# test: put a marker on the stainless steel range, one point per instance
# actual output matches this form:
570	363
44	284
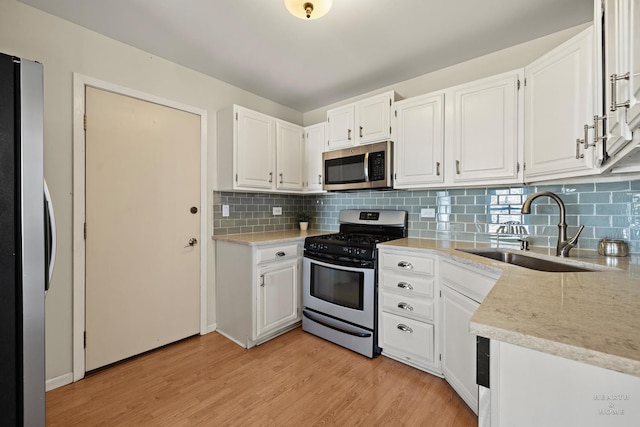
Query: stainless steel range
340	282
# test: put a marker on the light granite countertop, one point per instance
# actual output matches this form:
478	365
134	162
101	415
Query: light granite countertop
269	237
591	317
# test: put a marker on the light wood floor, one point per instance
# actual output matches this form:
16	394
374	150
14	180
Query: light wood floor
296	379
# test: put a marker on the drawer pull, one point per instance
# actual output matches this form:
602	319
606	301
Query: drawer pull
405	264
280	253
405	306
405	328
405	285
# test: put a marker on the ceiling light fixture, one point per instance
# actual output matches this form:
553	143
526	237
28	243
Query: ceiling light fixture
308	9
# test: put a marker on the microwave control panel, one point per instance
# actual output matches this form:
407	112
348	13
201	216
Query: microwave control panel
377	166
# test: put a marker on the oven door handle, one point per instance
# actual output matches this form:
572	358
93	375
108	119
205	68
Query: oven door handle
334	262
345	331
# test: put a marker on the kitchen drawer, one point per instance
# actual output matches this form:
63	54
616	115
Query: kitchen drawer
422	308
469	282
276	253
411	262
406	283
407	338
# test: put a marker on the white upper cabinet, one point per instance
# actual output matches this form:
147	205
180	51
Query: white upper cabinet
484	128
255	149
315	143
419	141
363	122
340	124
290	159
621	70
257	152
559	93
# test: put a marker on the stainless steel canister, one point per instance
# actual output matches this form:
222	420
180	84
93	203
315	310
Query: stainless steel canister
612	247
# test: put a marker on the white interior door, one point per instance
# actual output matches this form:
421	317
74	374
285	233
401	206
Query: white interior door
142	210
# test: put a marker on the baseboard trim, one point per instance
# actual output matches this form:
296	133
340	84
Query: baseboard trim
56	382
212	327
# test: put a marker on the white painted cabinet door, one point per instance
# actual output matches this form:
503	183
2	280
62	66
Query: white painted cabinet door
419	141
277	297
373	118
558	103
485	130
459	345
315	144
255	150
622	94
289	156
340	124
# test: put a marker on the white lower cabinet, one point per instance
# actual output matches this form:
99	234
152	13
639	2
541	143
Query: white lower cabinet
258	290
462	290
408	312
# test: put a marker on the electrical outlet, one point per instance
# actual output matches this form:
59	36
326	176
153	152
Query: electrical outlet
277	210
225	210
427	213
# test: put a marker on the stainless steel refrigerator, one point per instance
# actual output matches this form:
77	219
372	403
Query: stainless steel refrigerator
25	243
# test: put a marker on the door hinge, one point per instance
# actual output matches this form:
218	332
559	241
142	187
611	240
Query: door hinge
389	130
395	113
85	122
524	166
440	294
236	177
518	167
518	84
84	230
389	102
84	339
525	81
328	119
440	357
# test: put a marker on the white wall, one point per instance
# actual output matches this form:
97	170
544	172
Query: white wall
503	60
64	48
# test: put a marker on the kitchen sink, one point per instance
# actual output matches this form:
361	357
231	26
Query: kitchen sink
526	261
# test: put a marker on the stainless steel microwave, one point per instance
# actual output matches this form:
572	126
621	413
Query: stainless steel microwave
359	168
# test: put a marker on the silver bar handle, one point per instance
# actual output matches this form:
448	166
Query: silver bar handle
405	285
578	155
405	264
366	167
270	176
280	254
404	328
457	167
405	306
349	134
437	168
281	178
360	131
319	179
614	91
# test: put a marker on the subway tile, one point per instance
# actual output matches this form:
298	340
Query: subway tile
612	209
613	186
602	197
595	220
476	192
578	188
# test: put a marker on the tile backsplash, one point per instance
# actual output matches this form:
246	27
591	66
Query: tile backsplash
609	209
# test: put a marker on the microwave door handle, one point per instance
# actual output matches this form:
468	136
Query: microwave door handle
366	167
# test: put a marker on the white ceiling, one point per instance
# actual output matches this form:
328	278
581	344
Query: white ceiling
359	46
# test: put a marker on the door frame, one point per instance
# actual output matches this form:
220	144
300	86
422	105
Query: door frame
80	82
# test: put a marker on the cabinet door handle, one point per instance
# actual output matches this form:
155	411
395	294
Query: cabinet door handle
405	285
457	167
319	179
360	131
405	264
437	168
280	253
349	134
578	155
405	306
614	89
270	176
262	280
281	178
405	328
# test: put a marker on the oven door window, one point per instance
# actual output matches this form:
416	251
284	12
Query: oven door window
336	286
345	170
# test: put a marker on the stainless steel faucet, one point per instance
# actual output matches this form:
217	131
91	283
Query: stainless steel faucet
564	244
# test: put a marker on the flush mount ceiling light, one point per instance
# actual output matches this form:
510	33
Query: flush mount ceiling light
308	9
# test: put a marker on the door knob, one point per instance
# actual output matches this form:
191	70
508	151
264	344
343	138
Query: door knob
192	242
